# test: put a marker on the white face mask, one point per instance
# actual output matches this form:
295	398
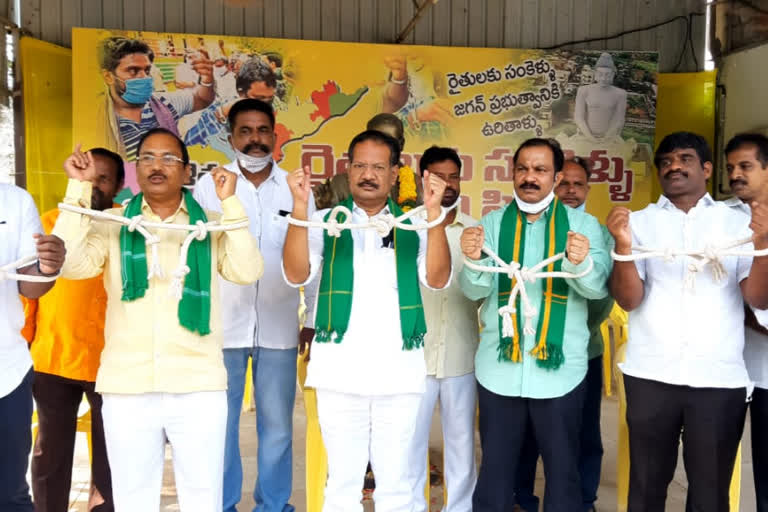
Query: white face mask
535	207
253	163
220	71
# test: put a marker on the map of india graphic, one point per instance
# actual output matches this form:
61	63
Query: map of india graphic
305	118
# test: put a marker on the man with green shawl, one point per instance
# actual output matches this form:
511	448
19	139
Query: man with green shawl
162	375
534	375
367	360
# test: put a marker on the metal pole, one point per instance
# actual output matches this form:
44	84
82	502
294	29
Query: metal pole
411	24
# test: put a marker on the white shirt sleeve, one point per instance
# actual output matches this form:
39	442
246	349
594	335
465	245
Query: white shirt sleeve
30	219
310	290
316	244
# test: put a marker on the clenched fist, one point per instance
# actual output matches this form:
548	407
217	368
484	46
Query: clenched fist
472	240
759	224
79	165
434	189
225	182
618	225
576	247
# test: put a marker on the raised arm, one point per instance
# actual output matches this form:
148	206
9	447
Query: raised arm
296	249
239	258
86	242
438	252
754	288
625	282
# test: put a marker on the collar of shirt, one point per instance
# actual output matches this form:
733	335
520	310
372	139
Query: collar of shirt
665	203
356	210
735	202
147	211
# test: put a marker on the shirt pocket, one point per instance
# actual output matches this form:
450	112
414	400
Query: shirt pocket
279	227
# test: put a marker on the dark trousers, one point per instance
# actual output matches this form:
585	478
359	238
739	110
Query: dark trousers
58	400
711	420
590	458
556	426
758	412
15	443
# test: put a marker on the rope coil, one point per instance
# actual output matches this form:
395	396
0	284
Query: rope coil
521	275
8	272
197	231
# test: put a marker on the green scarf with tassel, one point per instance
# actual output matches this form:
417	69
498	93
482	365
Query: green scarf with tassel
195	303
334	302
554	301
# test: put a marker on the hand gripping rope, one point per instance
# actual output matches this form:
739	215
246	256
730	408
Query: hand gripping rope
138	223
709	255
8	272
520	275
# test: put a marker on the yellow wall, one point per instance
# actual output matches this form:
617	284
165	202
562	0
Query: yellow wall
46	71
686	102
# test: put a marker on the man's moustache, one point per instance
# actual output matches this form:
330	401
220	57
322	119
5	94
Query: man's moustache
255	145
369	183
532	186
675	173
737	182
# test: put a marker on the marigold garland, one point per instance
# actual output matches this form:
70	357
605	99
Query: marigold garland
407	195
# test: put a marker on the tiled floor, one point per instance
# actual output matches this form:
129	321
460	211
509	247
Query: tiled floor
607	493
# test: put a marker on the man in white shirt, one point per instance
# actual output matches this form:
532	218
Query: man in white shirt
21	235
747	166
449	350
260	320
367	364
684	368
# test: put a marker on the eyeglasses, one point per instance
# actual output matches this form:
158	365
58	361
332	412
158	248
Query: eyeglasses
360	167
147	160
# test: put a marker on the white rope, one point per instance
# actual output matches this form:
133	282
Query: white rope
138	223
383	224
709	255
8	272
520	275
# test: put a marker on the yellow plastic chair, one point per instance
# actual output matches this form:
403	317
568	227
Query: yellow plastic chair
248	390
316	458
618	321
83	425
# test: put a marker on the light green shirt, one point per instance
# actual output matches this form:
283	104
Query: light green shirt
527	379
598	311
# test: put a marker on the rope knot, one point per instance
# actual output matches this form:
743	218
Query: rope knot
513	268
528	275
529	313
176	289
333	226
201	230
383	224
669	255
134	223
506	312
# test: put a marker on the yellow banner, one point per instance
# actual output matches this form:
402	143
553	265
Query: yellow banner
483	102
